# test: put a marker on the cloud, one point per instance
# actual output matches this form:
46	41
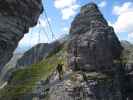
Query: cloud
130	35
69	12
64	3
32	38
68	8
102	4
65	30
126	7
29	40
110	24
124	22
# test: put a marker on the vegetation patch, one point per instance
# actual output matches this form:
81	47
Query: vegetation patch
23	81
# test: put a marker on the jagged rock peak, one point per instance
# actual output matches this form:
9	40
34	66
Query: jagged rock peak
89	17
94	47
89	7
93	43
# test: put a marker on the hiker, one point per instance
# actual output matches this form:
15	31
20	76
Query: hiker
60	71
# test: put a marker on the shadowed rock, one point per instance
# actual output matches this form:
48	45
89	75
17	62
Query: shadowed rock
16	17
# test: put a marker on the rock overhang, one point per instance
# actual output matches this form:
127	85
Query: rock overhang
16	17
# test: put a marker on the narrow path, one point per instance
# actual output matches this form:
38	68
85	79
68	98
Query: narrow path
66	76
57	81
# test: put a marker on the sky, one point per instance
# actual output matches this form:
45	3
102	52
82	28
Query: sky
60	13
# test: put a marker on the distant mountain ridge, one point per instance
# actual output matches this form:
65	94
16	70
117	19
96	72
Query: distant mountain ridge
36	53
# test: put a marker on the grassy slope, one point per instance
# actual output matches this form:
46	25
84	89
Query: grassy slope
24	80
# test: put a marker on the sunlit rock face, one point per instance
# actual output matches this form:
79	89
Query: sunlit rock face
94	45
16	17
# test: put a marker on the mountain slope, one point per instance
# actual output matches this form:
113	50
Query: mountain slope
10	65
37	53
24	81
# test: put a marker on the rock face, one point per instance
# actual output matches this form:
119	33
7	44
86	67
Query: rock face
97	87
16	17
94	45
127	56
36	54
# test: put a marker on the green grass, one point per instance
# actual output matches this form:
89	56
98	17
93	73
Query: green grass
25	80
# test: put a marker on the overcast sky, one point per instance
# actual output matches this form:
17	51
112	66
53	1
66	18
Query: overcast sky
118	13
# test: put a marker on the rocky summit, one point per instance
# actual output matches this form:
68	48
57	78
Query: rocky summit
94	45
16	17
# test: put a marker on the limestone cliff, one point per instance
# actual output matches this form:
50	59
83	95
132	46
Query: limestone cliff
16	17
94	45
